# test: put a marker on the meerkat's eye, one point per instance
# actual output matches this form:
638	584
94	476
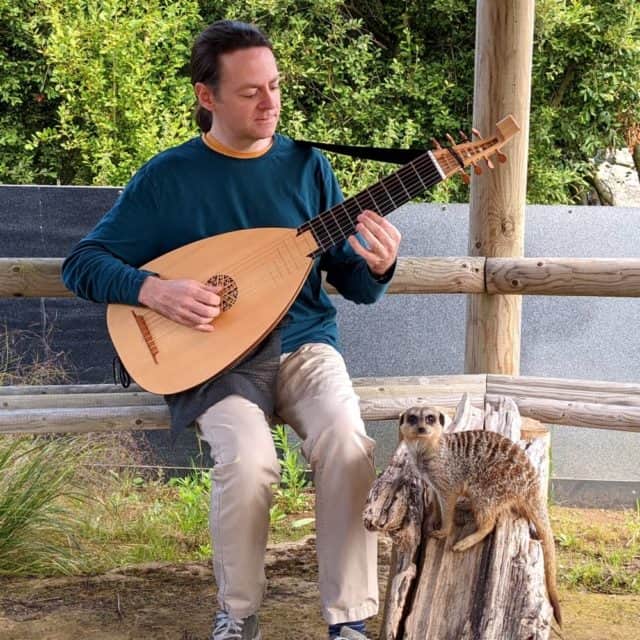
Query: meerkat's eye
431	418
412	419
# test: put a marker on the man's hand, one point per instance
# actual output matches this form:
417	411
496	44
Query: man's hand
382	238
187	302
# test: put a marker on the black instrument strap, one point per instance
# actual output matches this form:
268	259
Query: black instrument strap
396	156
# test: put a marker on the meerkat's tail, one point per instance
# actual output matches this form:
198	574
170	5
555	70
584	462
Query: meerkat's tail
540	518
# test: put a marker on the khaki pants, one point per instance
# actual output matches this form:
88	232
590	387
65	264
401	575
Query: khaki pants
316	398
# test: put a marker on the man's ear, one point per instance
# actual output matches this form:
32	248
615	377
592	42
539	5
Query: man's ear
441	418
205	95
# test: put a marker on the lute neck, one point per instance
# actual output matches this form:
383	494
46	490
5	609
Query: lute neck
336	224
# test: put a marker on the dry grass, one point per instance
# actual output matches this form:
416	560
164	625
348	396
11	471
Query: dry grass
45	366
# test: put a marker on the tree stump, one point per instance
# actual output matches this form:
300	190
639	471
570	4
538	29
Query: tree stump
495	590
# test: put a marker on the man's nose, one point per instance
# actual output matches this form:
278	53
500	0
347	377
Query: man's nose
269	100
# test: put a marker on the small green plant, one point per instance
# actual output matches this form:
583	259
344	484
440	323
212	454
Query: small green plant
276	514
135	519
566	540
291	495
191	510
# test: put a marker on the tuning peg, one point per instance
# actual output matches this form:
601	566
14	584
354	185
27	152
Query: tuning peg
450	139
477	169
502	158
489	163
476	133
465	178
464	136
436	144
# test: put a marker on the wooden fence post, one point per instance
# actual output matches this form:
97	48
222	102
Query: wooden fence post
504	44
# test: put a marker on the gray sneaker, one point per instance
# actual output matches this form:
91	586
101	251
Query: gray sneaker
346	633
226	627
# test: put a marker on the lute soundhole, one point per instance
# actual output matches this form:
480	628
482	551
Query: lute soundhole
229	293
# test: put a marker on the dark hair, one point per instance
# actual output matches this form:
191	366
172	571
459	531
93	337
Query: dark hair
220	37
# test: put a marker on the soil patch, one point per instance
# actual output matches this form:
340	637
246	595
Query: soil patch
176	602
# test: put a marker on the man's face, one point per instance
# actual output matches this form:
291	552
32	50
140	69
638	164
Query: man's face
246	105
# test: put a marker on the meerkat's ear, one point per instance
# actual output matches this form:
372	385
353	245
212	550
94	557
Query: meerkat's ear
441	418
401	418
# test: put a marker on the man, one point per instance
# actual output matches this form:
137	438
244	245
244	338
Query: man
241	174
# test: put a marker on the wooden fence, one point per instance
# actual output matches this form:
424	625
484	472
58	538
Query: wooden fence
40	277
586	403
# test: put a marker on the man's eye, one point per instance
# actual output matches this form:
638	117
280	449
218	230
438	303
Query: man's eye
248	95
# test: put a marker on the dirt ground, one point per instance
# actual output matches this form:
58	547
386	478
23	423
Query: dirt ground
175	602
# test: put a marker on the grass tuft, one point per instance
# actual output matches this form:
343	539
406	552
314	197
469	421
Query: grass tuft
43	366
39	505
598	550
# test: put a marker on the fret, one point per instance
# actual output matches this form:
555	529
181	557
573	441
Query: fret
358	203
375	204
383	203
399	179
321	219
316	235
350	212
345	212
337	224
382	182
424	186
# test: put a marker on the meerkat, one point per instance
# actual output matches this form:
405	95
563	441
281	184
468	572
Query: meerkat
493	472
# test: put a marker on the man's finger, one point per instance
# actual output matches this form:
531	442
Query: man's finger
362	251
208	327
376	236
389	228
208	295
376	244
204	311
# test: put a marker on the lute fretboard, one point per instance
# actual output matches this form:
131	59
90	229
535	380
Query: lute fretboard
338	223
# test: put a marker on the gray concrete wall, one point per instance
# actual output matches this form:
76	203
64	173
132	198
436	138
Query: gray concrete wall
595	338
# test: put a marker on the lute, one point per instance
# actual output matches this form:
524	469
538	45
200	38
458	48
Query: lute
262	270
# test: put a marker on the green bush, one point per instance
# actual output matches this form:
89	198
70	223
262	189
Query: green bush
27	101
90	90
118	68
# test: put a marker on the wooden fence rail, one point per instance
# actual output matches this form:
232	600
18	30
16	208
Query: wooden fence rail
580	403
40	277
564	276
84	408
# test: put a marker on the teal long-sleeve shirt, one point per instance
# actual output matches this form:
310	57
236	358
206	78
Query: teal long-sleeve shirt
192	192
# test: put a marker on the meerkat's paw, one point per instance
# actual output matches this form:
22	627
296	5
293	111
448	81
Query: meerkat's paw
464	544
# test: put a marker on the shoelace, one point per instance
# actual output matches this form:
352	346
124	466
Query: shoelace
227	627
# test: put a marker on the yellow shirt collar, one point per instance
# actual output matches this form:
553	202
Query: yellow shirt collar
216	145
